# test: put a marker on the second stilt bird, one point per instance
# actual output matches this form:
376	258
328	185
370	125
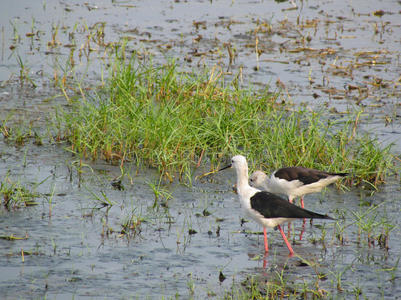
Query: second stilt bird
267	209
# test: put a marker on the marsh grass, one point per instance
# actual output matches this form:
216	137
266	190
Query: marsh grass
15	195
322	283
162	195
173	121
102	200
131	224
276	286
373	227
19	133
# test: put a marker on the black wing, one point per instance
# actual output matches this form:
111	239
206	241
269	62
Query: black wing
305	175
272	206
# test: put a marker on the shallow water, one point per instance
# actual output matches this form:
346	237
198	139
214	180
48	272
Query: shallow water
70	257
78	250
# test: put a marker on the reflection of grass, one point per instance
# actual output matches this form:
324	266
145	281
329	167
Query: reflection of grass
175	121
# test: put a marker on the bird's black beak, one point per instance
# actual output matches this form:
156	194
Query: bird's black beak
226	167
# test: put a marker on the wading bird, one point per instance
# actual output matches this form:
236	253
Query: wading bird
294	181
267	209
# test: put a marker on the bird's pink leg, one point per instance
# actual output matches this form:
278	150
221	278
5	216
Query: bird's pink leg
289	224
285	240
265	237
265	262
303	230
303	224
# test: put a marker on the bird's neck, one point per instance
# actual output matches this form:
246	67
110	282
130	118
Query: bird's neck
242	179
266	184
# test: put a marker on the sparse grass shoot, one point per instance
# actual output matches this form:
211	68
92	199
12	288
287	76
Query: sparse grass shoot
131	224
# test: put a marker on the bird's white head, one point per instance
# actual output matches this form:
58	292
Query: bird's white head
239	162
240	165
244	191
258	179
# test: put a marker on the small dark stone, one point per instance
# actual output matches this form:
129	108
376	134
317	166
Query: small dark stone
117	185
206	213
222	277
218	231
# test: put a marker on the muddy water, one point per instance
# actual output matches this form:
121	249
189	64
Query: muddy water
322	55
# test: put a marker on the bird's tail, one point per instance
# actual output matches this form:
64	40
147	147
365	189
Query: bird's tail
314	215
340	174
327	217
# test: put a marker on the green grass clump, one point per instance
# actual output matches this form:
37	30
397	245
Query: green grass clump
16	196
175	121
19	134
275	286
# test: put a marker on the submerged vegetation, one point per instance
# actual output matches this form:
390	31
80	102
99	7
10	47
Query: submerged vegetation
175	121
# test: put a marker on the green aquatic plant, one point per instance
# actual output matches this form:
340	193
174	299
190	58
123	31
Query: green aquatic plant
18	132
373	227
174	121
337	277
81	168
162	195
15	195
276	286
101	199
131	224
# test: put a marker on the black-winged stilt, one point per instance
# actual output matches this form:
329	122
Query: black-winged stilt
266	208
294	181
